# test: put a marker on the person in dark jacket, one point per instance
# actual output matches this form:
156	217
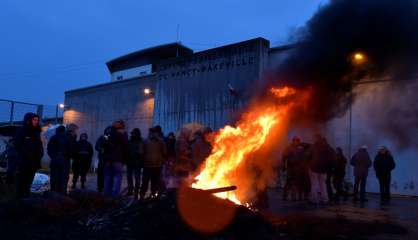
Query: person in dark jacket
82	160
170	142
163	181
200	149
339	174
383	165
135	162
183	165
115	156
30	150
171	145
100	148
154	157
292	160
59	153
322	159
361	163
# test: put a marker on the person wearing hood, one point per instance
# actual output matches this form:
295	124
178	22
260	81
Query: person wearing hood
100	148
59	153
116	153
361	162
154	157
135	162
29	150
383	165
82	160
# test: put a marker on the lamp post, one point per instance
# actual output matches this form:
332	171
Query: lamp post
358	59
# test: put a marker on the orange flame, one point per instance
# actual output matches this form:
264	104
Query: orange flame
233	145
283	92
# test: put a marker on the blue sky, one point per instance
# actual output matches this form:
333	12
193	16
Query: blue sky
50	46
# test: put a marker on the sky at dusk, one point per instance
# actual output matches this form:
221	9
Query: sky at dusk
49	46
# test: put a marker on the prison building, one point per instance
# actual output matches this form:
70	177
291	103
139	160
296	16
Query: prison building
171	85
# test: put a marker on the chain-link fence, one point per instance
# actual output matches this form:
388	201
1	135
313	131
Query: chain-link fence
12	112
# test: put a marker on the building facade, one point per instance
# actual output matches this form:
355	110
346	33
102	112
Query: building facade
210	88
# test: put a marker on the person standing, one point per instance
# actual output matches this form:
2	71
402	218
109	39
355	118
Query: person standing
154	157
383	165
115	156
200	149
100	144
292	160
82	160
30	150
158	132
322	158
361	163
171	145
339	174
183	164
59	153
135	162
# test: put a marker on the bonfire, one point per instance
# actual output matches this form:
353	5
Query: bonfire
232	146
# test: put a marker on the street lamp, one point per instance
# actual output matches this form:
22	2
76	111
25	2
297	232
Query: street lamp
147	91
358	58
57	107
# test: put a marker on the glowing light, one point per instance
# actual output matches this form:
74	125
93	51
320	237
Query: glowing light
359	58
61	105
147	91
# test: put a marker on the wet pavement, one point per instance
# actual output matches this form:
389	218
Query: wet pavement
402	211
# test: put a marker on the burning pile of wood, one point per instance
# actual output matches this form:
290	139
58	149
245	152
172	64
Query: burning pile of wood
185	213
87	215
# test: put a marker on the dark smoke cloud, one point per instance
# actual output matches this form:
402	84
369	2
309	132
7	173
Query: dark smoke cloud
386	31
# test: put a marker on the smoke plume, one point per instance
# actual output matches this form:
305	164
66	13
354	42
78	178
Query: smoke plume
384	31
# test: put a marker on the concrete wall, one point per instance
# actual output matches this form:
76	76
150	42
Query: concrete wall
196	88
95	108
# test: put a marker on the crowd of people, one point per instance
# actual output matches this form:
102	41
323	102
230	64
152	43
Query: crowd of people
148	161
316	172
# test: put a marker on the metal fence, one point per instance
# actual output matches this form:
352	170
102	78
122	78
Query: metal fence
12	112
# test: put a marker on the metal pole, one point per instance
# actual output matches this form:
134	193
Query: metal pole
350	125
12	109
56	114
